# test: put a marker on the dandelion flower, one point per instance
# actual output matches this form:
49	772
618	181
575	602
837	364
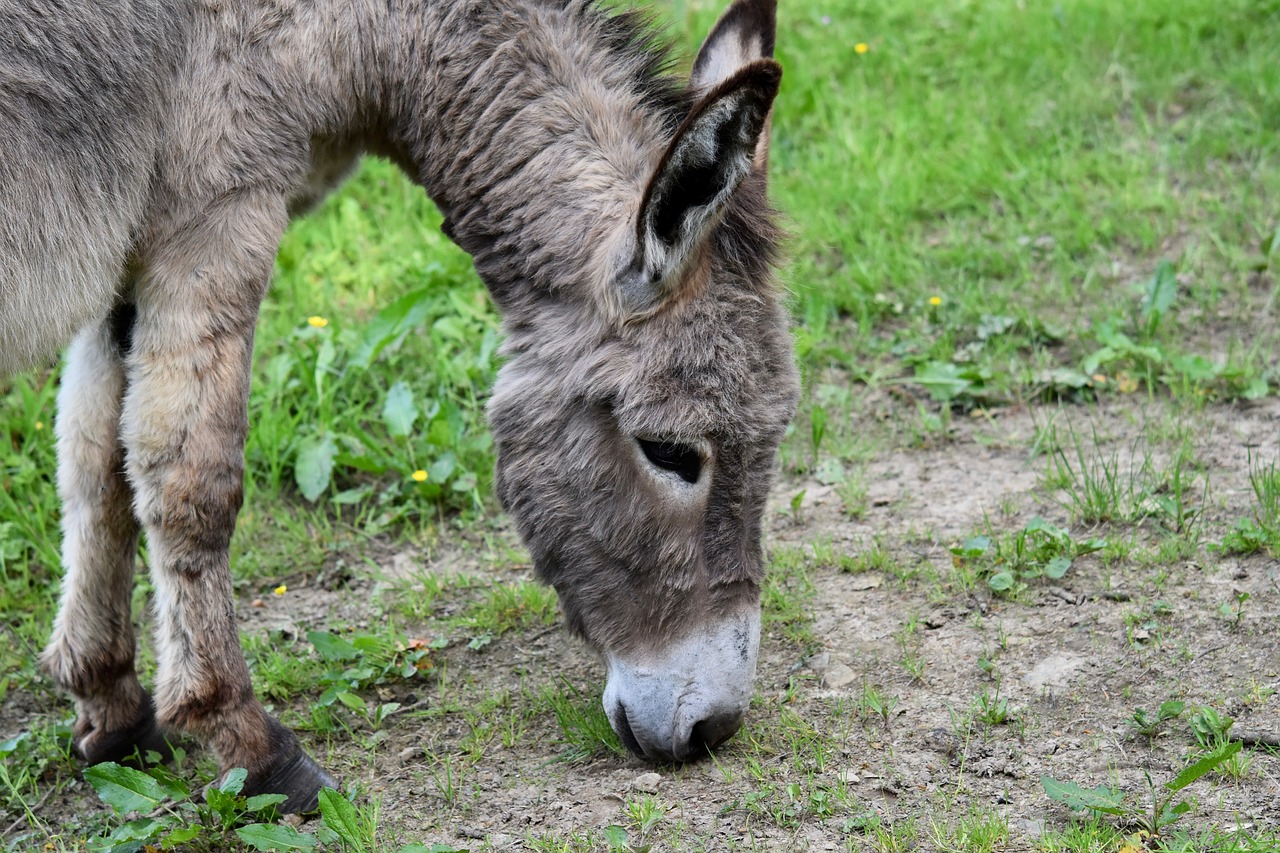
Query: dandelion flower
280	590
39	425
861	48
317	322
419	476
935	301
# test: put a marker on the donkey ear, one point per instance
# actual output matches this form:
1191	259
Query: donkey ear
744	33
706	161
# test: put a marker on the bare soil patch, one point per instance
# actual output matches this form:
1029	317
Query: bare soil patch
1072	659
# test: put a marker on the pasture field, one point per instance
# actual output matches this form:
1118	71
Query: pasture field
1024	585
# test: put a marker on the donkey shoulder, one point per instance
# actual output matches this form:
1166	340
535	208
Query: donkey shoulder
82	92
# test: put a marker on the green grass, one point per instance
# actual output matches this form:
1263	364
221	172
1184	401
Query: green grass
996	205
1036	167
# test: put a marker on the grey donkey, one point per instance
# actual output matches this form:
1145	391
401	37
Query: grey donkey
153	153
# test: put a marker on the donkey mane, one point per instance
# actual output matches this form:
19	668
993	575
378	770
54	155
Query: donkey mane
598	100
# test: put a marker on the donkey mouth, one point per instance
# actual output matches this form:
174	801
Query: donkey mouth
624	732
705	736
682	702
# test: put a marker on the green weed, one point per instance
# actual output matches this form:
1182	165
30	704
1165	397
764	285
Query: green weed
992	709
979	831
168	816
1209	727
1160	811
1149	725
785	597
911	647
583	723
1262	531
873	703
1038	550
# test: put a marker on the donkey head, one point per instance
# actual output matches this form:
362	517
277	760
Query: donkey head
636	440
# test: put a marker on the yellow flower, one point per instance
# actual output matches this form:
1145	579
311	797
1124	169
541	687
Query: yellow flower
39	425
861	47
317	322
419	476
281	590
935	301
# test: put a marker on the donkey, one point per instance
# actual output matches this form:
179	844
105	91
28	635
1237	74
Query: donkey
154	151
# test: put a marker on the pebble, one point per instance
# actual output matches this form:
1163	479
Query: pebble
646	783
1054	670
838	675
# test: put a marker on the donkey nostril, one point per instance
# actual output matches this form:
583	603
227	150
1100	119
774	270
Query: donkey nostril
624	732
709	733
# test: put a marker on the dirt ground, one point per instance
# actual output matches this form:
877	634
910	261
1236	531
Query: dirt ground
1072	658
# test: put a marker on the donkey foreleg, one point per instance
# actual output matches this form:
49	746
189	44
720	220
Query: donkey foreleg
92	650
184	429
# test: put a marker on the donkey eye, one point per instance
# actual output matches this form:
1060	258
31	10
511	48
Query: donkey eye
677	458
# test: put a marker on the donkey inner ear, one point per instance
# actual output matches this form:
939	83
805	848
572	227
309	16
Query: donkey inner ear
744	33
711	154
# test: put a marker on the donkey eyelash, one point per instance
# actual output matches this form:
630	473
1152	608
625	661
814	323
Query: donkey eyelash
680	459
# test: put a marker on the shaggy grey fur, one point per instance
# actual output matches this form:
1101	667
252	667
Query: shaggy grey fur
154	151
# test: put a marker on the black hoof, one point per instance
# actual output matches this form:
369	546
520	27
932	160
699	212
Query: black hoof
300	778
129	745
294	774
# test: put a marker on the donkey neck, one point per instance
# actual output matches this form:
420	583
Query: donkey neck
534	126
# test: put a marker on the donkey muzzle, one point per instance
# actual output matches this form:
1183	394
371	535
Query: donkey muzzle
679	702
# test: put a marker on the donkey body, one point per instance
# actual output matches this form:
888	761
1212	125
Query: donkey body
153	152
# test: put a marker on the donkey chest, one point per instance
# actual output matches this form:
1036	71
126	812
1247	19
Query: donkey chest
329	163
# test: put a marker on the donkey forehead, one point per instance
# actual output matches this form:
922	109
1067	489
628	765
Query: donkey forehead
709	369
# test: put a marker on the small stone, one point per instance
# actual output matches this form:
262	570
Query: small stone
847	776
866	581
942	740
819	663
1054	670
646	783
838	675
257	602
410	753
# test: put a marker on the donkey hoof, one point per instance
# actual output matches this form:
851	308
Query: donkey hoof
128	745
298	777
